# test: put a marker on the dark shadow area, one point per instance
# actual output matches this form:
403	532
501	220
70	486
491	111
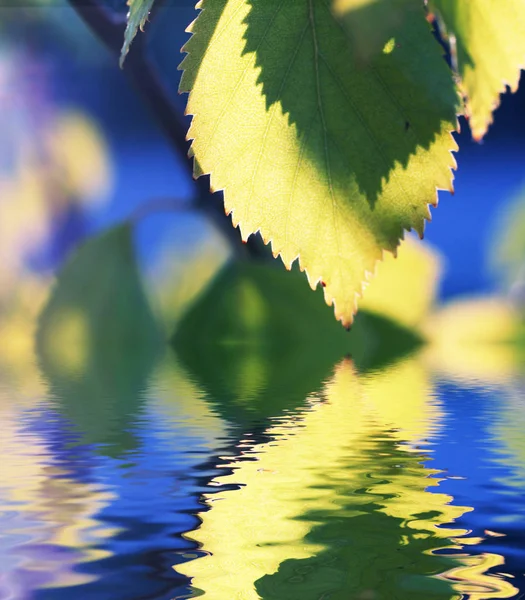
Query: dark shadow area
98	342
356	120
259	341
372	552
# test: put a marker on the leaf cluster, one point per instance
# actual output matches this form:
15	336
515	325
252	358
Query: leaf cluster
327	123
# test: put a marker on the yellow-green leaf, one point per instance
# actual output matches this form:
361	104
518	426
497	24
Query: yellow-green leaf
488	44
328	158
137	16
258	340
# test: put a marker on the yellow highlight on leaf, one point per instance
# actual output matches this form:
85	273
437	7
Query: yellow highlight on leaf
68	341
389	46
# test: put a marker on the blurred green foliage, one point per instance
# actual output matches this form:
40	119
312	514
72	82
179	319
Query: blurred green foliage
258	340
98	340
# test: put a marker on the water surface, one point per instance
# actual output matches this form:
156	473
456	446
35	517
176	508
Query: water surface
390	483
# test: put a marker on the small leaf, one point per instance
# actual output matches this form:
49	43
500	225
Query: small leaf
329	159
488	46
137	16
97	339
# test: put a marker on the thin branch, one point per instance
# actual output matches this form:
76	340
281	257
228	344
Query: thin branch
110	28
107	27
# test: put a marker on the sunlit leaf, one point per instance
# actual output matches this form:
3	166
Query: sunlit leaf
259	341
98	339
137	17
488	44
329	159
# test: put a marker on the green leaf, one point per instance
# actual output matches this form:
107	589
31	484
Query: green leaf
258	341
329	159
137	16
97	340
488	44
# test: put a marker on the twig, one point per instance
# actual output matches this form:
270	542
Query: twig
109	28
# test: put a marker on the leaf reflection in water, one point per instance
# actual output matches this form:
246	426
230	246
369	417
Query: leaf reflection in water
323	489
338	504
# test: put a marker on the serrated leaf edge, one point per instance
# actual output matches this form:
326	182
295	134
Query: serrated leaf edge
367	275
